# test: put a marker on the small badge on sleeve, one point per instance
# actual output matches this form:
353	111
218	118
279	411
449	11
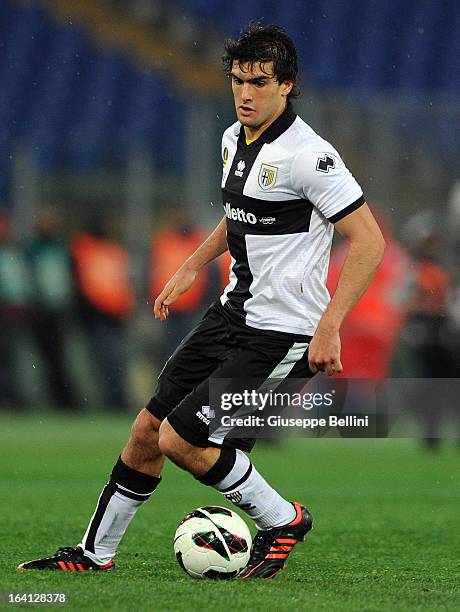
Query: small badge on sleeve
325	163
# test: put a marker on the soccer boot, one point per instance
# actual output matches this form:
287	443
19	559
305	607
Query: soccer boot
68	560
271	547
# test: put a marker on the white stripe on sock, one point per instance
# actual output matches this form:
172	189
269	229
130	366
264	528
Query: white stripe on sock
116	519
237	472
146	495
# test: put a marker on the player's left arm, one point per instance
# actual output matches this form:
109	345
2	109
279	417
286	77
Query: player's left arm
366	250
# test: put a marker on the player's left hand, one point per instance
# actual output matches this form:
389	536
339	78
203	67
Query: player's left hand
324	352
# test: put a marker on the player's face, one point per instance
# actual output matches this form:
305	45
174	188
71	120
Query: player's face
259	98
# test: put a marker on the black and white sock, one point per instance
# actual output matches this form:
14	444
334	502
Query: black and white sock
238	480
119	501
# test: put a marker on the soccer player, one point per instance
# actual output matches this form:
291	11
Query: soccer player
284	189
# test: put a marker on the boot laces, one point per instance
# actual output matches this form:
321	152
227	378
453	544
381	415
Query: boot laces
67	551
261	545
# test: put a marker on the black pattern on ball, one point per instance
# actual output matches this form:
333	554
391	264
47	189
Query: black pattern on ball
179	560
194	514
211	541
216	575
235	543
217	510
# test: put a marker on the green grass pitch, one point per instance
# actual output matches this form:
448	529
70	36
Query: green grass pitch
386	523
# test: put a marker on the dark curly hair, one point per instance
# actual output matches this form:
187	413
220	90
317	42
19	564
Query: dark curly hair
259	43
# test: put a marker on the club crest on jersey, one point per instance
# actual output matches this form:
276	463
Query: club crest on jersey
225	157
240	166
267	176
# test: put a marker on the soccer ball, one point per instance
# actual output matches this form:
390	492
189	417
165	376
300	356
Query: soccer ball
212	542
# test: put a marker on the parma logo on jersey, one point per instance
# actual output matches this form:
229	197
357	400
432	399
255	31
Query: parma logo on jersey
267	176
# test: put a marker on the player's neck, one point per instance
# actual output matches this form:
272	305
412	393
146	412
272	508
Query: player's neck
255	132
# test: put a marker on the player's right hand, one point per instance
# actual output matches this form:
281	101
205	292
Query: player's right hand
175	287
324	352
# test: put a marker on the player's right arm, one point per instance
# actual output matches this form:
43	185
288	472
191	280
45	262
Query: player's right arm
214	245
319	174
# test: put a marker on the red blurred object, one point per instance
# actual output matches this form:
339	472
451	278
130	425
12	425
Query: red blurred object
370	332
102	270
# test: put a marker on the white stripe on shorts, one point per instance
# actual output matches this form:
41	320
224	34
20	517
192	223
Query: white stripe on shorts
276	376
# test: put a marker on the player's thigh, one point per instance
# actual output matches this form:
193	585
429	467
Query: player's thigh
196	357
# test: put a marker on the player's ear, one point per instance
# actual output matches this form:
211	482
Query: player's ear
287	88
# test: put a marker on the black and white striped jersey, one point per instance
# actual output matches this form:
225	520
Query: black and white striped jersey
281	195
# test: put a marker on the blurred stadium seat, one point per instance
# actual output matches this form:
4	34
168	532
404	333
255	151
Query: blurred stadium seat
361	43
74	101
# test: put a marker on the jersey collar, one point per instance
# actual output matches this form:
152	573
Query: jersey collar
274	131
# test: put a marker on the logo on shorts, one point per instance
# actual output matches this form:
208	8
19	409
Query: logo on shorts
205	414
203	418
208	412
235	497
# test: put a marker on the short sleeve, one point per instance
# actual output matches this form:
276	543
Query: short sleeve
323	179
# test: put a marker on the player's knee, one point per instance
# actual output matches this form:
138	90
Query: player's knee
145	428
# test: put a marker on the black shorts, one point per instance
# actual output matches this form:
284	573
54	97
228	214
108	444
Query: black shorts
221	346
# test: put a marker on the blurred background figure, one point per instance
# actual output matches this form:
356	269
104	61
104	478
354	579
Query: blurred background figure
106	301
371	330
424	349
171	245
452	337
423	339
15	310
52	304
